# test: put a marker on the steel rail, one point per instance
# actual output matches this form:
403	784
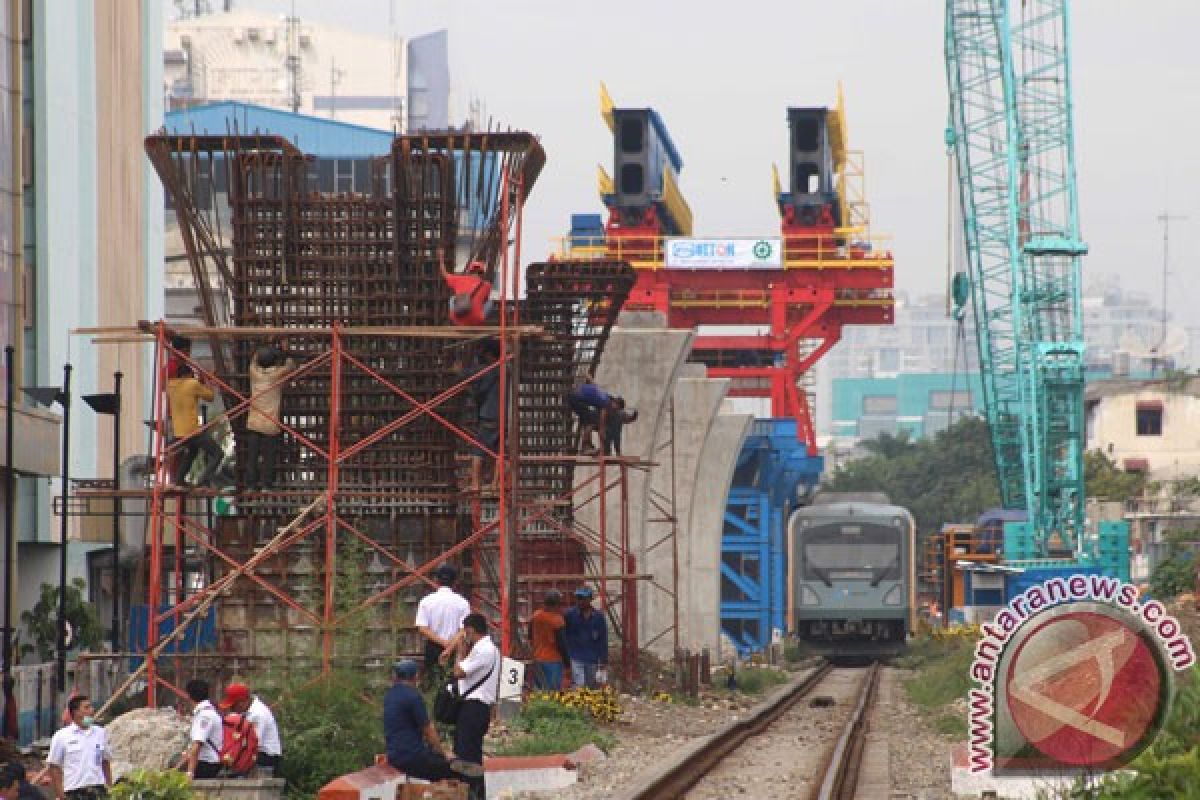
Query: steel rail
697	759
841	776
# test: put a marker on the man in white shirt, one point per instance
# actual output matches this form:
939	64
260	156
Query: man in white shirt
79	755
440	616
478	673
207	737
270	749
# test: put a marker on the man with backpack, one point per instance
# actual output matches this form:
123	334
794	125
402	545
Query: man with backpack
268	749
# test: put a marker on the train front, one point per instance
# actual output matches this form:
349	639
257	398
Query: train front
852	577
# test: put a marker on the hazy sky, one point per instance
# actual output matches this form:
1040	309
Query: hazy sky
722	75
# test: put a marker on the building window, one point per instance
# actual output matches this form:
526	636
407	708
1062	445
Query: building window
1149	419
944	400
879	404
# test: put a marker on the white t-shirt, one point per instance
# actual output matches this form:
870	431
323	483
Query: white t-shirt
483	657
263	720
443	612
81	753
208	729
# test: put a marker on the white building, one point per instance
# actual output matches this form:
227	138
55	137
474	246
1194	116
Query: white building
391	83
1149	426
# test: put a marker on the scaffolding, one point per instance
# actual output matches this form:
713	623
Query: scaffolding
371	418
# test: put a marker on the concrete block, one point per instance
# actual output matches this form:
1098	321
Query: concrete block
240	788
700	555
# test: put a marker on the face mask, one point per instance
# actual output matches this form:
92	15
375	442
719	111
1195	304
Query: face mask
87	722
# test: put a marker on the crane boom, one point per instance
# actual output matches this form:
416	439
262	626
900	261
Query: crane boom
1011	128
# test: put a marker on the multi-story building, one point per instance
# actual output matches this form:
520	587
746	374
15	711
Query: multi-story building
389	83
80	221
914	362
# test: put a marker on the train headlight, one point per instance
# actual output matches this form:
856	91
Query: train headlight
808	597
893	596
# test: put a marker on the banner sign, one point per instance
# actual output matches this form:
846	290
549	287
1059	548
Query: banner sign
725	253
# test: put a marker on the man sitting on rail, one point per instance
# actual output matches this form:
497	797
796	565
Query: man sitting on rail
413	746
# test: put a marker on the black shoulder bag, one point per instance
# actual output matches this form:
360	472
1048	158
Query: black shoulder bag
448	702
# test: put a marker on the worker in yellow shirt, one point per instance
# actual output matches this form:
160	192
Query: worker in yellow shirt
184	394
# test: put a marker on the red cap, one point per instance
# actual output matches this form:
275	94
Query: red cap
235	693
476	268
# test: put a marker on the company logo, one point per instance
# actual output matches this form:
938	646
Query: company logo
762	249
1074	672
699	249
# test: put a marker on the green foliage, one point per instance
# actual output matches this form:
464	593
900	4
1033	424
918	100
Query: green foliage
794	651
756	680
1170	767
942	670
1105	480
329	727
42	621
949	477
952	725
144	784
1177	571
548	726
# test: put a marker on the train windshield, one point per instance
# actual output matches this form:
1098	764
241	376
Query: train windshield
852	552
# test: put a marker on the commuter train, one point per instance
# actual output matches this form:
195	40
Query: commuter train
853	575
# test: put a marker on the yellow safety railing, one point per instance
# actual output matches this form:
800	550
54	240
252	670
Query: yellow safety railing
844	249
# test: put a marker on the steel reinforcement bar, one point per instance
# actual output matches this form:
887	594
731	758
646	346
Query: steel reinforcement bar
679	775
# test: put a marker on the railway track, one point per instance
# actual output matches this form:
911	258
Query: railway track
776	737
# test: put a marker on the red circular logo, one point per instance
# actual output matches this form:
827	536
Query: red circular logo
1086	689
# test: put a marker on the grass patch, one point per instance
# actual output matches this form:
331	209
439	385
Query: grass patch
951	725
942	666
546	726
756	680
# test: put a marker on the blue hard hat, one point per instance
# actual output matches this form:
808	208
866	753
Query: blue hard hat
406	669
584	591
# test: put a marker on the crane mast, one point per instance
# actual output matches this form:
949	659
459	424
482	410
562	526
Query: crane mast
1011	130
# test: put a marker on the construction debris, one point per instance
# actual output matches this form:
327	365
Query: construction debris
147	738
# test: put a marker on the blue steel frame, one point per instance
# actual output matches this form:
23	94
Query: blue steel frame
772	465
1011	130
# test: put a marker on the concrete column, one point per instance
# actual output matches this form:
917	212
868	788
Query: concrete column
641	362
697	402
700	562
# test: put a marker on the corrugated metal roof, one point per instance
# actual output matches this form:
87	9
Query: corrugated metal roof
317	136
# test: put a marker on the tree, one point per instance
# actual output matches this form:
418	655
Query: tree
1177	572
42	621
949	477
1105	480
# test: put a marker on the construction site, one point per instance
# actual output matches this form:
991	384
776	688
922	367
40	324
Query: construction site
360	383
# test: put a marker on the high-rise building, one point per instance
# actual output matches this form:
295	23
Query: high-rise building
80	225
389	83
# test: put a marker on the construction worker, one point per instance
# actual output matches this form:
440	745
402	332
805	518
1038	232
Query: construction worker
184	394
485	390
268	368
549	644
586	634
471	303
594	407
614	419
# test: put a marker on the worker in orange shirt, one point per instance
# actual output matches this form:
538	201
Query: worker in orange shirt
549	645
184	394
471	303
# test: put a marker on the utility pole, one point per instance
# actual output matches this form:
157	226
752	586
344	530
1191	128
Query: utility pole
292	63
335	77
1166	218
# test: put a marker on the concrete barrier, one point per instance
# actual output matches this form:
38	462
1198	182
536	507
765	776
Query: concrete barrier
240	788
516	773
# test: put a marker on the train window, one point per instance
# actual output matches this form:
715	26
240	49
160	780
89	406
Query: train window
851	530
